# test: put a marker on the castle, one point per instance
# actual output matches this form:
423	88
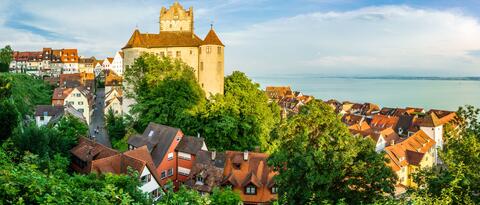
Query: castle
177	39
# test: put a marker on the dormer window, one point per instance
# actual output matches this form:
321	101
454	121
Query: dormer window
150	134
274	190
250	190
200	180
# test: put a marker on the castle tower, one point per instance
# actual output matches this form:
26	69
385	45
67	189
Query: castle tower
176	18
211	64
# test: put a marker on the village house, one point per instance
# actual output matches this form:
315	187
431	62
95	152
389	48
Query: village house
107	62
79	98
112	81
381	122
161	142
207	171
276	93
113	101
410	155
92	157
86	65
249	175
45	114
73	80
186	152
117	63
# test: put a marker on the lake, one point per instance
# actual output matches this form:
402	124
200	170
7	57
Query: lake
436	94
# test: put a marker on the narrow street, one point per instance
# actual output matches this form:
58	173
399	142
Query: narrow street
98	119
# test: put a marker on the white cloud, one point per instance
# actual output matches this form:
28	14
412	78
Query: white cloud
374	40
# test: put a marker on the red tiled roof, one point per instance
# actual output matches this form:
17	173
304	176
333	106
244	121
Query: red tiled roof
254	171
212	39
163	39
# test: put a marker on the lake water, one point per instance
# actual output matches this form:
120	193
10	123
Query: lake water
437	94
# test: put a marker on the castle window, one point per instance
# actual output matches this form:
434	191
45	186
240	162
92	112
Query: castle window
170	25
219	66
179	54
201	66
169	53
191	52
219	50
208	50
162	54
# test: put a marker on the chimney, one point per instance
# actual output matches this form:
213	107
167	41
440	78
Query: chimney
245	155
214	155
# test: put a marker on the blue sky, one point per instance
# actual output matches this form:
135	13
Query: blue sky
267	37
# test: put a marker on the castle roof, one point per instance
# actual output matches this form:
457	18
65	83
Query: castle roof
212	39
163	39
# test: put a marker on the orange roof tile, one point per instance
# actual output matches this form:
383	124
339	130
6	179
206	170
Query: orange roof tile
212	39
163	39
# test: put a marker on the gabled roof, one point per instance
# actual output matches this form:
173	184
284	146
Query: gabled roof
88	150
190	145
61	93
420	142
212	39
48	110
163	39
253	170
158	139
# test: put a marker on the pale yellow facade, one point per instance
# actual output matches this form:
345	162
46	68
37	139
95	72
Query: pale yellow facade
206	57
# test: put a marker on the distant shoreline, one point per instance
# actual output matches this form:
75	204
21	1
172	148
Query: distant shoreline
377	77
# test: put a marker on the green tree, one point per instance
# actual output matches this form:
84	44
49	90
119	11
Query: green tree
225	196
6	56
319	161
242	119
182	196
27	91
116	128
165	91
457	180
46	142
8	118
34	180
8	113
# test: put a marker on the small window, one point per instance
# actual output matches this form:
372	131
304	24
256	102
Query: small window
208	50
274	190
80	110
200	179
250	190
150	133
179	54
170	172
164	174
145	179
80	103
162	54
201	66
170	156
219	50
169	53
191	52
42	118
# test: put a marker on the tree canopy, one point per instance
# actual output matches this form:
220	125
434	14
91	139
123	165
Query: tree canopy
27	91
6	56
319	161
165	91
241	119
